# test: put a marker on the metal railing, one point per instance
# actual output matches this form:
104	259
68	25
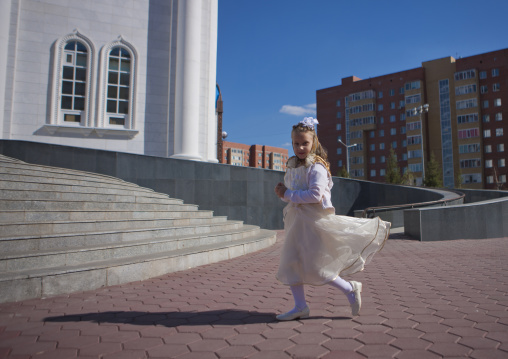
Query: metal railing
370	212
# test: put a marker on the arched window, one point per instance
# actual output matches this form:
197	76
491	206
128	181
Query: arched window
117	95
73	94
73	73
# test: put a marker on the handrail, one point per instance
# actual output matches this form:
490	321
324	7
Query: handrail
410	205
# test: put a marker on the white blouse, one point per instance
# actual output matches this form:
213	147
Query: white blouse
319	185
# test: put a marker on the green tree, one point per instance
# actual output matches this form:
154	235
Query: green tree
392	169
343	172
408	178
433	176
458	179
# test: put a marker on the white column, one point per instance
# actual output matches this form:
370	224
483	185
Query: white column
5	22
212	81
187	96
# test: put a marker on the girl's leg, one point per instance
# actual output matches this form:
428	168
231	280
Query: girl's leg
301	310
352	291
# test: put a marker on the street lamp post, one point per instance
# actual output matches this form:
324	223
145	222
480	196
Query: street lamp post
347	154
419	110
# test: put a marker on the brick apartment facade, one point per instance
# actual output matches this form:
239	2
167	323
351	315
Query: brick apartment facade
258	156
465	127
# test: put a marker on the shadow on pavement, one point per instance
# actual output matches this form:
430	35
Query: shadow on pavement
174	319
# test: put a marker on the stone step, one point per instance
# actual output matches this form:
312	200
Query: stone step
65	179
22	168
29	216
20	244
51	205
58	187
39	259
20	285
64	227
78	196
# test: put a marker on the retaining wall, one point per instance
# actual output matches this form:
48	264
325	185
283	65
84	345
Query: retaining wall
240	193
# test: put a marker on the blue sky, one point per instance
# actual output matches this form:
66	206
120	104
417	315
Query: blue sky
273	55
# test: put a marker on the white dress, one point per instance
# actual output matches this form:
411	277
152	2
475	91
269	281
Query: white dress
319	245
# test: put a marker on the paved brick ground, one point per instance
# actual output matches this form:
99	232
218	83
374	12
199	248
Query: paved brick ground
421	300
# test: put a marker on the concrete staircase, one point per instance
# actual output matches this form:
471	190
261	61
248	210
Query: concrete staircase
63	231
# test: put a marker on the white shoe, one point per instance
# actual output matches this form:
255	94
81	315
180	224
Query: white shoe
294	314
357	305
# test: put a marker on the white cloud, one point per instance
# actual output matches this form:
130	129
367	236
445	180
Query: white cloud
299	110
287	144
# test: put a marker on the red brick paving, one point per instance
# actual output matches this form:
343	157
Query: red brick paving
421	300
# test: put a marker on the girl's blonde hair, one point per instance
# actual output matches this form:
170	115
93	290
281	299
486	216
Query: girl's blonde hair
317	148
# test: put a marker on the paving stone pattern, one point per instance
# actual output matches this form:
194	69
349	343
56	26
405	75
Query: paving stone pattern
420	300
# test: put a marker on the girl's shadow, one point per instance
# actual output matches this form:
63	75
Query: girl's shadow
174	319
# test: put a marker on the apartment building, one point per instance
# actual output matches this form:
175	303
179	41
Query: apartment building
449	108
258	156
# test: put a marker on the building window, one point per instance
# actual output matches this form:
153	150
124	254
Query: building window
499	116
484	89
414	140
381	120
372	147
469	103
380	95
382	172
472	117
373	173
483	75
495	72
486	118
412	85
339	151
403	130
404	157
338	103
488	148
490	179
339	127
472	178
497	102
73	81
393	118
463	90
392	92
373	160
382	159
488	163
380	107
118	87
381	133
502	179
404	143
485	104
393	131
470	148
392	105
382	146
339	114
413	99
471	163
496	87
501	162
401	90
464	75
499	132
500	147
403	117
486	133
372	134
394	144
339	163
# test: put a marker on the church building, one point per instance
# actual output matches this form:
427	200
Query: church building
136	76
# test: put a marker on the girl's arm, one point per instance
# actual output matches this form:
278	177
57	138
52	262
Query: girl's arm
318	182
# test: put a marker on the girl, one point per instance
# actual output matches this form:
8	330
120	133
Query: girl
320	246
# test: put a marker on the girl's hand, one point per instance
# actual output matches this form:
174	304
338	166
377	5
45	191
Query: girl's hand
280	189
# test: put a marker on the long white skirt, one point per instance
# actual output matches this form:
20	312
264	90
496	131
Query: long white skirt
319	245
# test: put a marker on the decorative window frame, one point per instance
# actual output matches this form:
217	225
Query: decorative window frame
130	120
56	119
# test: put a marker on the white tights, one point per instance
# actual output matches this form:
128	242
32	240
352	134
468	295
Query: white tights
339	283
